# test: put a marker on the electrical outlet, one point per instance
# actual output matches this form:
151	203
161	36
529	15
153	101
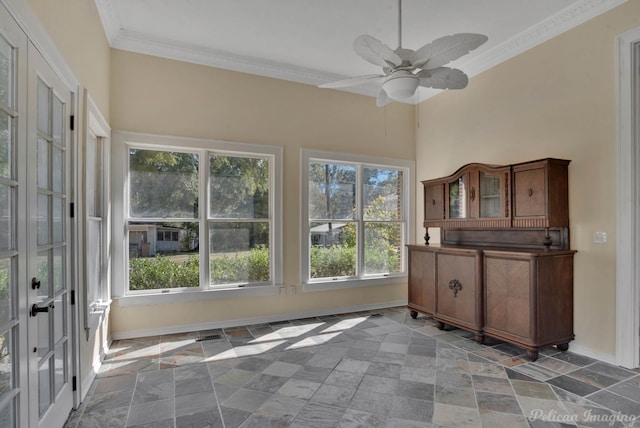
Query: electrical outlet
600	237
292	289
283	291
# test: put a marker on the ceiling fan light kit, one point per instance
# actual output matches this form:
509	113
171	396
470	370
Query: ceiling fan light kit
401	85
405	70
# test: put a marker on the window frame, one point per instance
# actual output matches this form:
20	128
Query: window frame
408	209
123	141
96	127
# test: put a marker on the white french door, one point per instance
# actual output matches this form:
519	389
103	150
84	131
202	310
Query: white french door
48	249
35	317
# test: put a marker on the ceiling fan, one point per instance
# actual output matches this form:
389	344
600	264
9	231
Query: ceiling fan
404	69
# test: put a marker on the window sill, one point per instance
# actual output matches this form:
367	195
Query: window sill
179	296
340	284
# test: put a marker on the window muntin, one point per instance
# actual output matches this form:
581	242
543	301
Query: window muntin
357	225
237	191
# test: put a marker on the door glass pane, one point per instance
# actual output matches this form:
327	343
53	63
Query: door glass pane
6	217
382	247
239	252
43	219
58	121
58	224
6	374
58	270
43	108
382	190
44	319
332	191
6	279
239	187
163	184
43	274
6	148
7	418
44	393
6	73
57	170
489	195
60	373
59	313
458	198
43	163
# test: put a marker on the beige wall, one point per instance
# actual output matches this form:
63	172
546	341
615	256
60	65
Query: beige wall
76	30
159	96
556	100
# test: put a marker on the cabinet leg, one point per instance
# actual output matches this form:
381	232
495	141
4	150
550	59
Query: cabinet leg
479	338
439	325
532	355
413	314
563	347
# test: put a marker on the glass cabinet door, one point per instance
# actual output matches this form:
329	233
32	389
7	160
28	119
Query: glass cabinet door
458	198
489	195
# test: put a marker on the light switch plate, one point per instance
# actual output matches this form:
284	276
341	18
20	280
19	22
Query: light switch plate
600	237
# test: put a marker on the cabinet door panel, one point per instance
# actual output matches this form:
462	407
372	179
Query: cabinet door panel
460	305
529	189
434	202
508	296
422	278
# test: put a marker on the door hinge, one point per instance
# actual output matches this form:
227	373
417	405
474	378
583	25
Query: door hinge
72	122
74	383
73	297
72	210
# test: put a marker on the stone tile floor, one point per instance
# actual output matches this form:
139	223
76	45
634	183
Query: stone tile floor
368	369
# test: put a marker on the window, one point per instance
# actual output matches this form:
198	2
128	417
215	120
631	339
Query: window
200	215
357	217
96	203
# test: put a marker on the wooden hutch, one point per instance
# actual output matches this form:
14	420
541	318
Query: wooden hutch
504	268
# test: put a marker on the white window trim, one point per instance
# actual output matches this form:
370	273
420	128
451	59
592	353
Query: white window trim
408	208
121	143
94	312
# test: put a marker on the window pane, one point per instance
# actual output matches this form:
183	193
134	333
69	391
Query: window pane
382	194
155	264
382	248
239	187
239	252
163	184
333	249
332	191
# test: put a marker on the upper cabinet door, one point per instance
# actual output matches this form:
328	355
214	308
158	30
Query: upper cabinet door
457	197
434	201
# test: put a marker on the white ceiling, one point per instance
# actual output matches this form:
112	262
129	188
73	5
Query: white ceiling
310	41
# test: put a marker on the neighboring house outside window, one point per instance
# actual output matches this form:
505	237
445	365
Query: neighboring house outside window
357	217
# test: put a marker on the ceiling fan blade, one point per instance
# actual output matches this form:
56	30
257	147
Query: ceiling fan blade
353	81
383	99
376	52
446	49
443	78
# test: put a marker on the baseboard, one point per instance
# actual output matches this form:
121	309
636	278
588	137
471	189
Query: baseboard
587	352
87	382
131	334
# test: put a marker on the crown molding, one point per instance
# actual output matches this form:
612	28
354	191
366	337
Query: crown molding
119	38
568	18
110	19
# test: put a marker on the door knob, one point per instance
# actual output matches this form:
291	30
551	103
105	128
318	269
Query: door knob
35	309
35	283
